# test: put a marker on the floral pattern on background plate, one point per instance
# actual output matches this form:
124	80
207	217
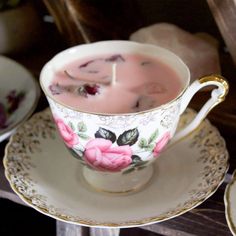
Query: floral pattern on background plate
9	105
46	177
19	94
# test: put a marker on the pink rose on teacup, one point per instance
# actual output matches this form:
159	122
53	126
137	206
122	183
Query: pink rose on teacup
100	155
68	135
161	144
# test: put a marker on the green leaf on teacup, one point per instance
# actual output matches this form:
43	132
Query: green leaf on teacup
142	143
136	159
140	163
153	136
129	137
106	134
82	127
78	154
141	167
150	147
128	171
83	136
71	125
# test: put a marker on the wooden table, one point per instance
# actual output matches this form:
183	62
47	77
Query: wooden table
208	219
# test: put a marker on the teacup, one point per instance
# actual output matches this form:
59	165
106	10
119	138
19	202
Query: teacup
118	150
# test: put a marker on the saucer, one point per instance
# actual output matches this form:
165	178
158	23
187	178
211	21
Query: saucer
230	204
19	94
45	176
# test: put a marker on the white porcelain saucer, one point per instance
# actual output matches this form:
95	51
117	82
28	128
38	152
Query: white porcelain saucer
230	204
15	81
42	172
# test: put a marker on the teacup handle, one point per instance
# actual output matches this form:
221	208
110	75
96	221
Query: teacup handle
217	96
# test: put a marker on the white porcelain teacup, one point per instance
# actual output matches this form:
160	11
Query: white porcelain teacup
117	150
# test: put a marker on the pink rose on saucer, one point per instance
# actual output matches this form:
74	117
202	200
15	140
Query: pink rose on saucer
68	135
100	154
161	144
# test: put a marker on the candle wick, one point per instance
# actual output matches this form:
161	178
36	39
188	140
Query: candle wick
113	79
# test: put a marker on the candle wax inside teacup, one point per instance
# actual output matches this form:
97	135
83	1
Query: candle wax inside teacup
137	82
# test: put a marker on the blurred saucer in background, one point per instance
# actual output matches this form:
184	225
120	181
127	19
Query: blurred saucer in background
19	94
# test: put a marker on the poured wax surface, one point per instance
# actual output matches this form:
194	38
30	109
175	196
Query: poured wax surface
138	82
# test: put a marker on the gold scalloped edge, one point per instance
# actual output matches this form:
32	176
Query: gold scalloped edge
132	223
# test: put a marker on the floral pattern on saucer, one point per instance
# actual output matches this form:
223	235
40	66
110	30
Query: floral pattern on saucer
35	174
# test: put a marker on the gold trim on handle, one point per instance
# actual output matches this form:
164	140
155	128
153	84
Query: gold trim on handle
217	96
216	78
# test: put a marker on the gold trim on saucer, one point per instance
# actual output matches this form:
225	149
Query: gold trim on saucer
27	141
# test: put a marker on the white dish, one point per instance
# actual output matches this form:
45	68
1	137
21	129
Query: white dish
45	176
230	204
18	83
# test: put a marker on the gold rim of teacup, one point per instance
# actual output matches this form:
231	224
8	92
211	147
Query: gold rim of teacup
185	86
